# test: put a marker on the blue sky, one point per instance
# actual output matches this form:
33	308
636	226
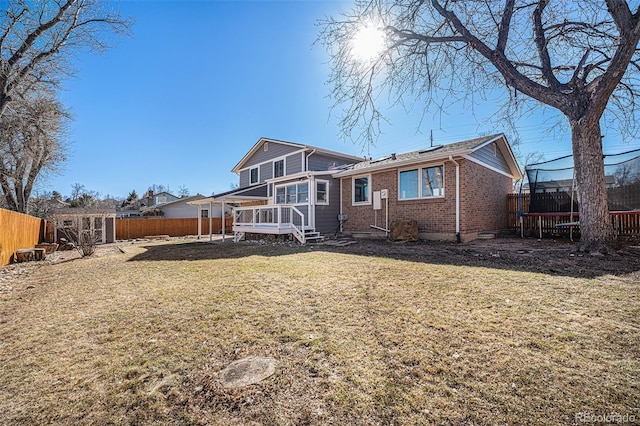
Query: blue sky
199	82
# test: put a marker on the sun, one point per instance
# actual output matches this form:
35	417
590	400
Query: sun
368	43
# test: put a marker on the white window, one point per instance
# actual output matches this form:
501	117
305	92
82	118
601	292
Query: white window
361	190
426	182
293	193
322	192
278	168
204	213
253	176
303	192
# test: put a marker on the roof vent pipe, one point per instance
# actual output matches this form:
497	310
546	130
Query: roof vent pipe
393	156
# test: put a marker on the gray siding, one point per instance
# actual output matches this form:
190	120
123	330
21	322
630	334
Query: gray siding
327	216
260	191
275	150
321	162
485	154
266	171
244	178
293	164
304	209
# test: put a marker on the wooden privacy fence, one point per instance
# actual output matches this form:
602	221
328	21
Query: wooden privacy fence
624	222
18	231
128	228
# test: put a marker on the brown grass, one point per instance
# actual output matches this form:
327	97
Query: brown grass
139	338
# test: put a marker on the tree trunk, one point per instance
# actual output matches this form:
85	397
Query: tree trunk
596	230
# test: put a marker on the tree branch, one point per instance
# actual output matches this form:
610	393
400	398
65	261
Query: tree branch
619	11
541	45
506	68
35	34
505	23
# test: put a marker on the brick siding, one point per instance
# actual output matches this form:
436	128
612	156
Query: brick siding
482	203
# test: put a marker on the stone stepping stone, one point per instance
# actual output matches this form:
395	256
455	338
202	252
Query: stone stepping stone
247	371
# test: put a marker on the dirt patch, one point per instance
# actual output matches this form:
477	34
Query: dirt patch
553	256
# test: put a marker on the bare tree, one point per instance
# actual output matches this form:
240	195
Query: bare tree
183	191
82	197
581	59
31	135
37	39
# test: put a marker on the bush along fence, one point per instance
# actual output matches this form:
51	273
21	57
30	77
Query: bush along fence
128	229
18	231
624	222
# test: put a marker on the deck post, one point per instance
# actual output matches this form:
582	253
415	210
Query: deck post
224	220
199	221
211	220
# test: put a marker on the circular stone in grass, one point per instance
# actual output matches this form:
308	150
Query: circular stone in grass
247	371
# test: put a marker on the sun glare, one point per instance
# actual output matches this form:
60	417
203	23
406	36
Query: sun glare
368	43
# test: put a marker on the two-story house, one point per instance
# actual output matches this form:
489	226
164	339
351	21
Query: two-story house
453	192
285	188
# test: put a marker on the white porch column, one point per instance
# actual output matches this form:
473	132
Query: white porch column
210	220
224	220
199	221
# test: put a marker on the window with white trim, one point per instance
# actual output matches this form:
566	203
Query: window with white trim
322	192
361	190
425	182
253	176
278	168
204	213
293	193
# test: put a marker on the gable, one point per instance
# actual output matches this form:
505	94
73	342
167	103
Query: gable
274	150
265	150
492	156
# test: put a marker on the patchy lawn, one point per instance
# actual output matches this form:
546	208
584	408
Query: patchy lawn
373	333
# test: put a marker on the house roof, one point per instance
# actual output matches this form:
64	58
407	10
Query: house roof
254	192
435	153
261	141
81	211
179	200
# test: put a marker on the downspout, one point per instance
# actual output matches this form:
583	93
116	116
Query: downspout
341	211
311	208
306	160
457	198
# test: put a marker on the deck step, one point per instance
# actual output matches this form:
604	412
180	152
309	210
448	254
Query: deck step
313	236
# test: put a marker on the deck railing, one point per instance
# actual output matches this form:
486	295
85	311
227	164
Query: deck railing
273	219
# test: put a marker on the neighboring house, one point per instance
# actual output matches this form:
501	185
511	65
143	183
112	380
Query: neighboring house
151	200
149	204
99	223
453	191
180	209
285	188
562	185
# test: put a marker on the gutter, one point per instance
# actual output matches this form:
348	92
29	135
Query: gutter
398	163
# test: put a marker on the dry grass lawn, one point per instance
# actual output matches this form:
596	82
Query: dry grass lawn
139	338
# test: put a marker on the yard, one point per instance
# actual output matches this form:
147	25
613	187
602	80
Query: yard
497	332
